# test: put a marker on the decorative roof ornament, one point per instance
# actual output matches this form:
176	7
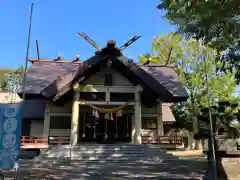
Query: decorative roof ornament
88	39
110	42
129	42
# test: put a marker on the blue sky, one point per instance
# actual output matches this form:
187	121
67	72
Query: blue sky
56	23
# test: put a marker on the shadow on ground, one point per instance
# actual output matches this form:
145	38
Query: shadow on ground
82	169
118	163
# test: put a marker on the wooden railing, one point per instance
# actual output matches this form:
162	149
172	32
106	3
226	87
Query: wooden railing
176	140
32	142
43	142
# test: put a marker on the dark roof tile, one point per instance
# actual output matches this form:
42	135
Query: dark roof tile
42	74
168	78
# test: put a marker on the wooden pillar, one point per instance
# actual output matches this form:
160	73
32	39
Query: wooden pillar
133	130
160	130
138	118
75	119
46	123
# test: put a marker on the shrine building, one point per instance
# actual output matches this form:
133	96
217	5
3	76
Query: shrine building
107	98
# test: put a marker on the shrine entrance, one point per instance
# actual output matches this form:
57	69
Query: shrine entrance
102	130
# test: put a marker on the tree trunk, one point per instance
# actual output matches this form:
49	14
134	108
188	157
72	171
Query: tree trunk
238	140
197	143
190	141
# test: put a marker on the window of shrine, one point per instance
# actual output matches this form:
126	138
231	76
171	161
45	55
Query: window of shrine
108	80
93	96
121	97
60	122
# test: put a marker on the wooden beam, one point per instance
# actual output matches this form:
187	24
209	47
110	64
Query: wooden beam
49	60
102	88
106	103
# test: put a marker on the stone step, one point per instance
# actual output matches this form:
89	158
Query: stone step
130	152
101	149
109	158
105	155
112	146
107	152
108	149
54	162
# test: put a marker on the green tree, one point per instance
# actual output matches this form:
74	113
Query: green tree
8	77
225	115
3	81
216	22
187	58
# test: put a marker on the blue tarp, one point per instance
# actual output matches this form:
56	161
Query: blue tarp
10	133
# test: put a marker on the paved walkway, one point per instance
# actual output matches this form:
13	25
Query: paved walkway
197	153
169	167
79	170
232	168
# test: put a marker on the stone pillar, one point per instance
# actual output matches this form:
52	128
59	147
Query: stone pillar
160	130
75	119
46	122
138	118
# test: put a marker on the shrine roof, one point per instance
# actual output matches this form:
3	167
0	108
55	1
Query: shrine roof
52	79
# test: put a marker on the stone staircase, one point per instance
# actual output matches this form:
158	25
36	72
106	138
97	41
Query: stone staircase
122	161
111	161
119	153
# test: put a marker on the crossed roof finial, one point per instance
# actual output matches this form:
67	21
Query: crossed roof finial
94	44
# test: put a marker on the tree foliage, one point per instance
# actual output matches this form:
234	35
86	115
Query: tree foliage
225	117
3	81
10	76
187	56
216	22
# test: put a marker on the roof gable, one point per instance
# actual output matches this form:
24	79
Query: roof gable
146	79
118	79
62	84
